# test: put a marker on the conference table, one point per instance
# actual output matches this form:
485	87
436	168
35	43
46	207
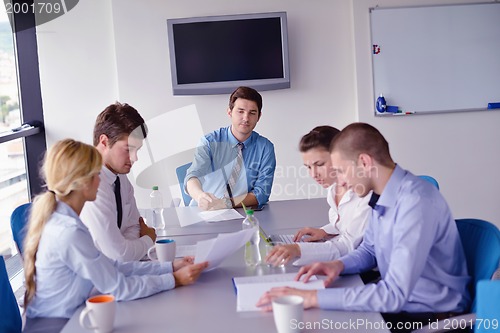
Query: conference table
209	305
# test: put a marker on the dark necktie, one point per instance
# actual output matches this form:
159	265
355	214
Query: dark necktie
118	198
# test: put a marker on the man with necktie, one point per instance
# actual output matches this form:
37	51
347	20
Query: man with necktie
234	164
113	219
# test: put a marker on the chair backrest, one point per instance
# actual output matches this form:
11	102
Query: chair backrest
18	223
181	174
431	180
10	317
481	243
488	294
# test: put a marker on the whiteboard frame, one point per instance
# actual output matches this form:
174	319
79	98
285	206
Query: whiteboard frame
375	94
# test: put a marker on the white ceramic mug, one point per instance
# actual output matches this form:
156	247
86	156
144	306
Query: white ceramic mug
165	250
288	313
100	311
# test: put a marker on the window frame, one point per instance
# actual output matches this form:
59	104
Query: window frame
30	96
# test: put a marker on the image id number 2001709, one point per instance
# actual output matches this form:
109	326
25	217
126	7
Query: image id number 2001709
36	7
460	323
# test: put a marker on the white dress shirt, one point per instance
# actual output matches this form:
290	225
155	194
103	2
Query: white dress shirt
68	267
100	217
349	221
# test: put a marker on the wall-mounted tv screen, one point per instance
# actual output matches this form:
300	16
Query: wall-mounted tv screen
216	54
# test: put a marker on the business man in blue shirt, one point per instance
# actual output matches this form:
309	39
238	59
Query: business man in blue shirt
412	238
233	164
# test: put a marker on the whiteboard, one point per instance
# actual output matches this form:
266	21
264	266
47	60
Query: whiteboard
437	58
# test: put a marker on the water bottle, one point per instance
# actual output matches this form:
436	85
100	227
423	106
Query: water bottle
157	207
252	250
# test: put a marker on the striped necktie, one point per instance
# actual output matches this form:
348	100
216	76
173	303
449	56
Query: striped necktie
235	173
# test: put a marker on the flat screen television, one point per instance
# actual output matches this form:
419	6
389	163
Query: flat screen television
216	54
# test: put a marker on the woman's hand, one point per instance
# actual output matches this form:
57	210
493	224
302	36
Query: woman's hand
313	233
179	263
282	254
189	274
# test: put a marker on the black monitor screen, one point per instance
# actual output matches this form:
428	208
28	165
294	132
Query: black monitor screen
231	50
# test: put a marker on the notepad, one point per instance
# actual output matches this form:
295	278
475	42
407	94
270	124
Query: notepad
250	288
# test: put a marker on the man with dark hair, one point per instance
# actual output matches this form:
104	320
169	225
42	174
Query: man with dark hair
113	219
412	238
234	164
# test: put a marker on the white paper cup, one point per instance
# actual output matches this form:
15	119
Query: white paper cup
100	311
288	313
165	250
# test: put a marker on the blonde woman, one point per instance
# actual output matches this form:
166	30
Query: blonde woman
61	264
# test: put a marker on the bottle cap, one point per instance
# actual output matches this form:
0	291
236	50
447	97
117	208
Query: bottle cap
249	211
155	188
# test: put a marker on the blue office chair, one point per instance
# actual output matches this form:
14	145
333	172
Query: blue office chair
19	224
488	294
481	243
10	317
181	174
431	180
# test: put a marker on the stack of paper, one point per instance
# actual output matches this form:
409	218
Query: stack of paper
250	288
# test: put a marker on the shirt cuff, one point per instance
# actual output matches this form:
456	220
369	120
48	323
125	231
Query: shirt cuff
330	229
169	281
167	267
349	264
148	241
311	252
331	299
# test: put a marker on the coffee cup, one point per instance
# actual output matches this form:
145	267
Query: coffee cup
165	250
288	312
100	311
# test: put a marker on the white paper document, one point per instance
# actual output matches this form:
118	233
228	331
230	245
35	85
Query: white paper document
250	288
193	214
215	250
220	215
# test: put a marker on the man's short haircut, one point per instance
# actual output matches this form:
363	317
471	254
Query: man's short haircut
362	138
118	121
246	93
318	137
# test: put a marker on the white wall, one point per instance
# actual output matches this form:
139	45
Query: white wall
77	69
461	150
103	51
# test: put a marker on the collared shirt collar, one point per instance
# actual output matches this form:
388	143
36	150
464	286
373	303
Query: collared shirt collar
389	195
332	190
107	175
234	142
64	209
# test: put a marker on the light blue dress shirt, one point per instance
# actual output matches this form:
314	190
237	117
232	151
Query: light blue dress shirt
69	266
414	241
214	159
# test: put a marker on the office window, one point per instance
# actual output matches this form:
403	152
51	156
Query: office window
20	104
13	184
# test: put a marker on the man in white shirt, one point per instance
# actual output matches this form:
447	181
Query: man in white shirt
113	219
